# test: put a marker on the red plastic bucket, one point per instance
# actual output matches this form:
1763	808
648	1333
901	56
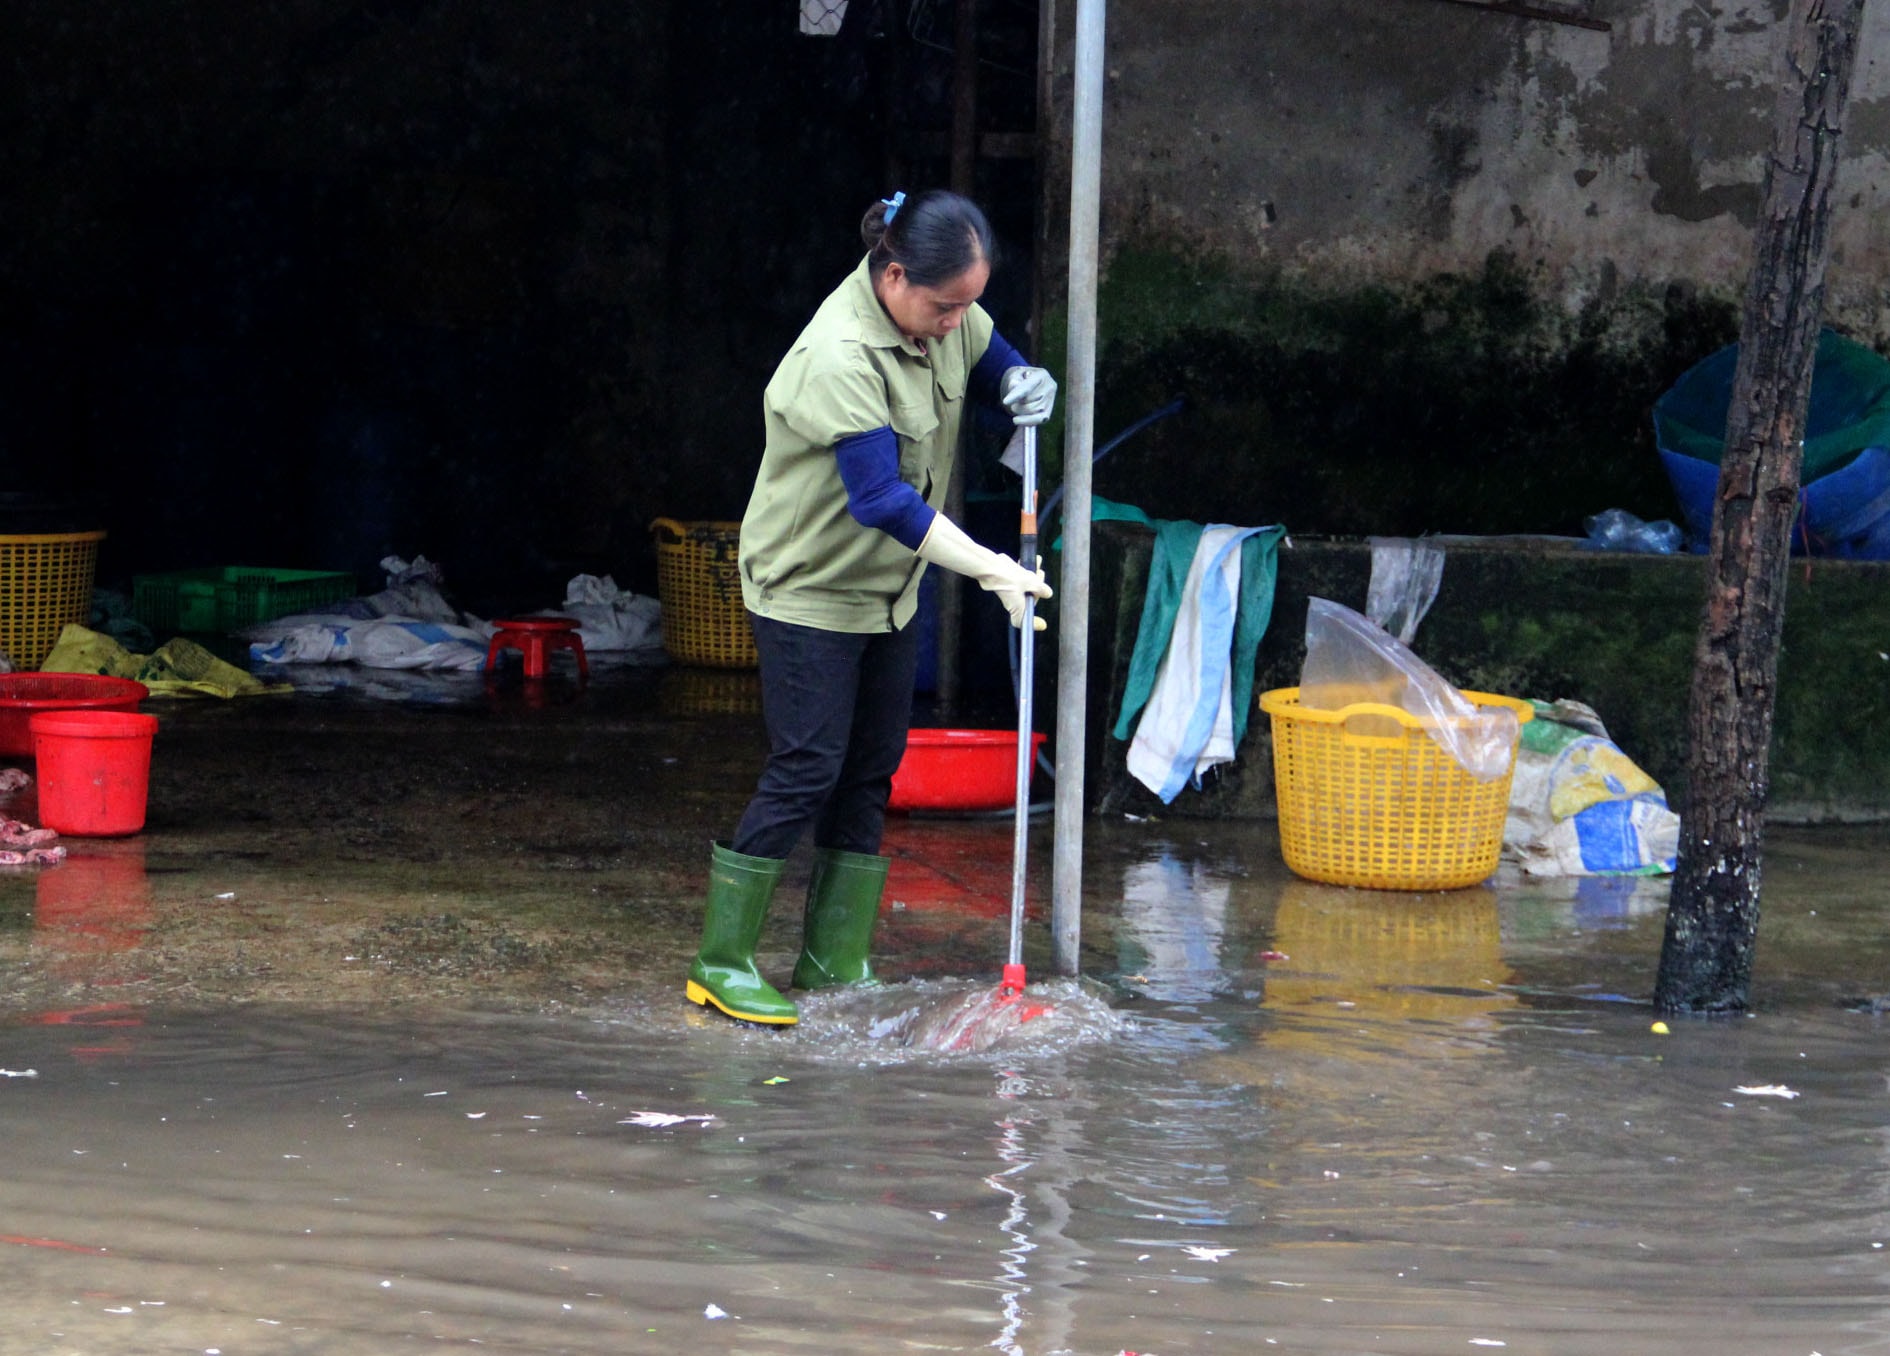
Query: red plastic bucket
25	695
94	770
958	770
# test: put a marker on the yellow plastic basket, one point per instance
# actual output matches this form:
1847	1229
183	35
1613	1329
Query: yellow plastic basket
45	583
1383	811
699	582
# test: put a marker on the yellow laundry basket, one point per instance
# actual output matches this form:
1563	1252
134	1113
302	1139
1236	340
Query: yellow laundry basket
698	581
1386	811
45	583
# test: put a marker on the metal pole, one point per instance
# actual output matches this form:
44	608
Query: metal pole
964	179
1079	413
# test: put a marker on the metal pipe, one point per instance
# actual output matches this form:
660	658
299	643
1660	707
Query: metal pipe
964	173
1079	413
1047	208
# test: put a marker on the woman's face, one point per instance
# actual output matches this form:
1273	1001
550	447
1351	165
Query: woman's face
930	312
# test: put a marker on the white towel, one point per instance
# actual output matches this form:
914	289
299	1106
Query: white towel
1188	725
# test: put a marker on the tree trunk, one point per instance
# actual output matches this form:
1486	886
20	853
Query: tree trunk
1713	918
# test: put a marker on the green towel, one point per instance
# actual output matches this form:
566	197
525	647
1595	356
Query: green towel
1175	542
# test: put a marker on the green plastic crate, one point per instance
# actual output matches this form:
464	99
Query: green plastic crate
231	597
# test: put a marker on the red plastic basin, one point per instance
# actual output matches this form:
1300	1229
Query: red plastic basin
959	770
25	695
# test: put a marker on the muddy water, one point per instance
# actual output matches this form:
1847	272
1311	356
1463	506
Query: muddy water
288	1099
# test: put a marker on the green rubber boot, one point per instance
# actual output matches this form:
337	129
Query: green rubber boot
842	907
724	970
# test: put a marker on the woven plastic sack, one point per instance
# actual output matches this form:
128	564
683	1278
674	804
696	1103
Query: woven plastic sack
1352	660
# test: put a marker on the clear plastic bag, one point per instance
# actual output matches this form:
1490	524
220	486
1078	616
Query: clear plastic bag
1619	530
1351	660
1405	579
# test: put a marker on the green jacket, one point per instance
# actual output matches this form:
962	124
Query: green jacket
804	558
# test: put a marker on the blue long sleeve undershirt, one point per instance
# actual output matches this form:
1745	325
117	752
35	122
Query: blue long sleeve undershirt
876	496
999	357
869	462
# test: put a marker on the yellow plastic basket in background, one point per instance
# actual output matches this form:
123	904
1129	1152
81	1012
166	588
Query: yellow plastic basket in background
1382	811
698	581
45	583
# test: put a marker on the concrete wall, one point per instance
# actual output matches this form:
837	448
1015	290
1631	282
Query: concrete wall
1393	139
1418	267
306	281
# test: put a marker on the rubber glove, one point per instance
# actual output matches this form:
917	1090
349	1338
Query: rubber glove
947	545
1029	393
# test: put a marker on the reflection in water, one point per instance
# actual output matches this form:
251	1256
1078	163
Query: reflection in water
111	1043
1423	970
97	900
963	866
947	901
288	1184
1013	1275
1540	908
686	690
1173	915
90	909
511	690
1372	1145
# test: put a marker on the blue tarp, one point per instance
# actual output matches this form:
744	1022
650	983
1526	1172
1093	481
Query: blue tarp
1845	499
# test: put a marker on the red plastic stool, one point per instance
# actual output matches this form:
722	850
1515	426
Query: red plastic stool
535	638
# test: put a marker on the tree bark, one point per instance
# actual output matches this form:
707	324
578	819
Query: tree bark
1713	916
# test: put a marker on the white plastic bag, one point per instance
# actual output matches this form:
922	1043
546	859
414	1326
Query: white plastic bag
414	592
608	617
383	643
1351	659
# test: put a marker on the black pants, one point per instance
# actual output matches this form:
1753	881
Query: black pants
837	706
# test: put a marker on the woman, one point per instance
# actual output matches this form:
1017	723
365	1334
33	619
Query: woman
863	417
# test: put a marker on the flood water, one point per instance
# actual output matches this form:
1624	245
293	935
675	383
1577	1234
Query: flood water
1306	1120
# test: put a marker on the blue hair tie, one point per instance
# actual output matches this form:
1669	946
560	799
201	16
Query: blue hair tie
893	204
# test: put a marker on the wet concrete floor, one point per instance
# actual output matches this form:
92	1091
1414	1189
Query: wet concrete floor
374	1040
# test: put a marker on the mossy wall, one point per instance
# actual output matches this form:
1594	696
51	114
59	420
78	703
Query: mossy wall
1469	403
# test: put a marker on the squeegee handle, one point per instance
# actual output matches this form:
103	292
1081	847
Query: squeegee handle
1026	684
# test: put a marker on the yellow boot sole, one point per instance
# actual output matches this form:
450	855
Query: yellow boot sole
701	996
